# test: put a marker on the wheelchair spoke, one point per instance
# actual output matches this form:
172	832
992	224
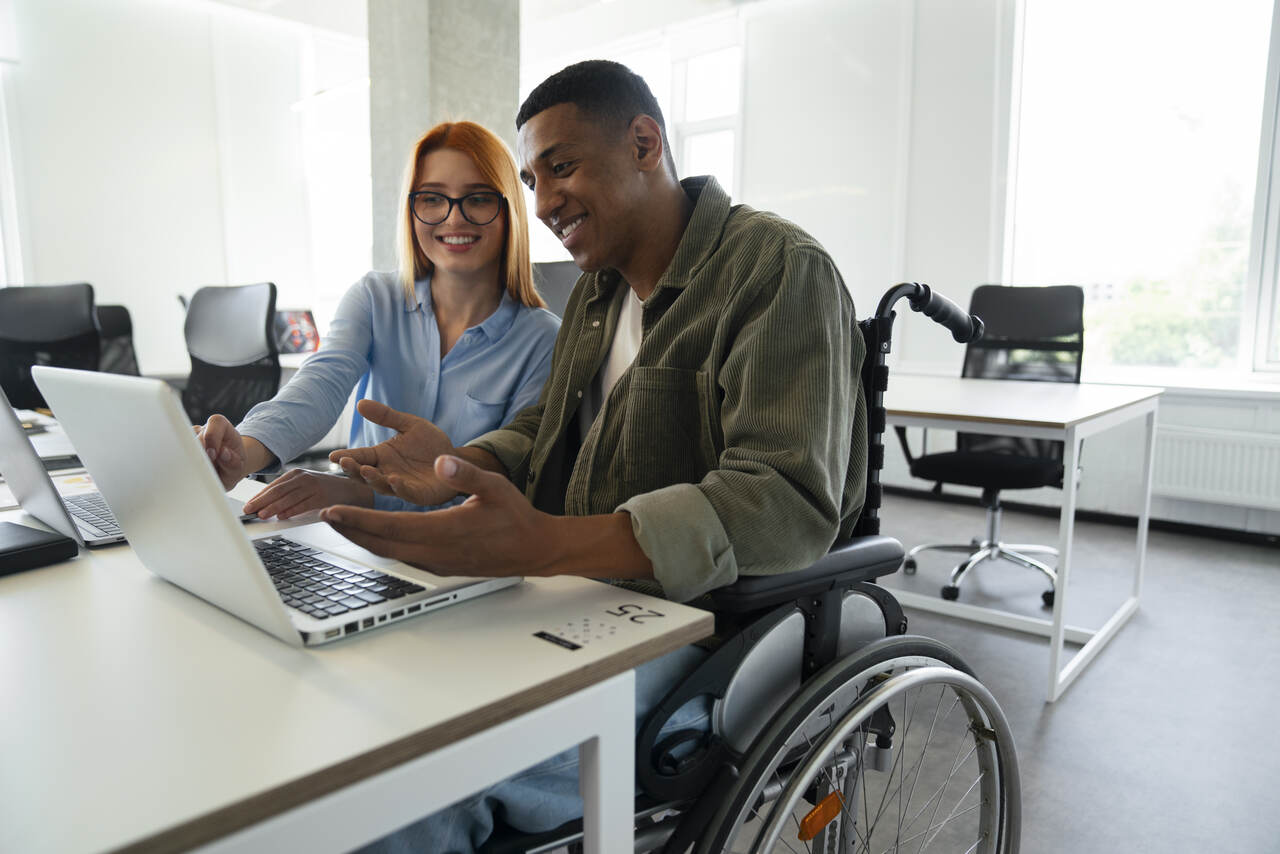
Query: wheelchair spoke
937	797
932	828
953	812
933	726
915	768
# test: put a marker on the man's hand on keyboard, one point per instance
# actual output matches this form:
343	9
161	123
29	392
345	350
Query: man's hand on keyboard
402	465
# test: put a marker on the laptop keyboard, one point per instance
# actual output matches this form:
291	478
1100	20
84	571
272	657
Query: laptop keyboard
316	587
90	508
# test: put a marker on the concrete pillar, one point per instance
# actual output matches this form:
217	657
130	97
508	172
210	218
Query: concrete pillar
432	61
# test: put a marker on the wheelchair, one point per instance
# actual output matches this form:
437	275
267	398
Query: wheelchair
832	730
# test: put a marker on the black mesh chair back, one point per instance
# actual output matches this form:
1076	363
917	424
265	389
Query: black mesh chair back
116	329
555	281
1034	334
44	325
235	362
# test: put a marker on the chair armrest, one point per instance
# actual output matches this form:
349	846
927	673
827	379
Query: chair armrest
906	447
847	563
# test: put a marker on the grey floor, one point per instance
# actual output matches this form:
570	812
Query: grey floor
1170	739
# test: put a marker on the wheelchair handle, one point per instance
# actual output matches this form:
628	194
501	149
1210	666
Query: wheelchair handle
964	327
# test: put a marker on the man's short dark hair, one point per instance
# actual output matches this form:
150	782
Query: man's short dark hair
606	90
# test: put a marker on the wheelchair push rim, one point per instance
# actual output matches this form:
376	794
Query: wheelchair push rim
820	752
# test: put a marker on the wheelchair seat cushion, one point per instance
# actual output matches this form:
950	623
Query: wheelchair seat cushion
988	471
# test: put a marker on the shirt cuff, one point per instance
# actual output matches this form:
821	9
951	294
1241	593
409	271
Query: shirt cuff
511	448
394	502
680	533
391	502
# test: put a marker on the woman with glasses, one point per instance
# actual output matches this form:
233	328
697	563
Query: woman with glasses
459	335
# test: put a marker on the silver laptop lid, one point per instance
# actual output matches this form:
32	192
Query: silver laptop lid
134	438
26	476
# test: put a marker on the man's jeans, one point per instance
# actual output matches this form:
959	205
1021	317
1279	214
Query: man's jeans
546	795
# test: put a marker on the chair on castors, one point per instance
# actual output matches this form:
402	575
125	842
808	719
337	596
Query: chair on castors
117	353
44	325
235	362
1032	333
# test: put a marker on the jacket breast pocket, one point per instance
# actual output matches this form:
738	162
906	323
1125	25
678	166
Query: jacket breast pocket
669	435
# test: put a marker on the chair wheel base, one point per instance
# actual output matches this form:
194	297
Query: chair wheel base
909	566
1047	598
950	592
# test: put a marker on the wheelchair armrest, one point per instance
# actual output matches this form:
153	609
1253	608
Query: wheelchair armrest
848	562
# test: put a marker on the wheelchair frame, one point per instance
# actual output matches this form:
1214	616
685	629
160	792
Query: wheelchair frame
782	734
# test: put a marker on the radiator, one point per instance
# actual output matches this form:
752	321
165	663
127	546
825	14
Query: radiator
1218	466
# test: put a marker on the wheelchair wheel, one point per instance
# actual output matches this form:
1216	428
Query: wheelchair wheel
894	748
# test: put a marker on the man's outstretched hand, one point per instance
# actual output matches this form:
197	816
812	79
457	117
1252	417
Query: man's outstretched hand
402	465
495	532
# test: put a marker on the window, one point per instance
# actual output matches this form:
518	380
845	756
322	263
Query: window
1137	156
704	128
334	122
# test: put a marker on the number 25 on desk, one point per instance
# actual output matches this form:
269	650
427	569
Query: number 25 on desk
635	613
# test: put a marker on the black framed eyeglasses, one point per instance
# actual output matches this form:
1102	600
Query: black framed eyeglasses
432	208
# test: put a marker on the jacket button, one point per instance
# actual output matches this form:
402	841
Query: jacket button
595	323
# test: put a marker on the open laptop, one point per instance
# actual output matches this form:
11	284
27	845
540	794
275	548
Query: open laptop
305	585
84	516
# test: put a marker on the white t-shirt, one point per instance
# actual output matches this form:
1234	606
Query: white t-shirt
622	352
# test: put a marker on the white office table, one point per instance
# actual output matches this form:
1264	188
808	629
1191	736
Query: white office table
135	717
1063	411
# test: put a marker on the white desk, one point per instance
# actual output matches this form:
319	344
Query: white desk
1062	411
135	717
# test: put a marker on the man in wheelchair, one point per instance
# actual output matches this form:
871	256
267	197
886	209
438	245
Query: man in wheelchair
704	420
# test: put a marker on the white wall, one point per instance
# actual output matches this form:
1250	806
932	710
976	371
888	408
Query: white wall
159	153
826	129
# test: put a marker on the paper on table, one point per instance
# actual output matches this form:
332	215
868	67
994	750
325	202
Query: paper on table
52	443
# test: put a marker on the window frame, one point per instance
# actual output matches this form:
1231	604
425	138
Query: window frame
1262	283
708	35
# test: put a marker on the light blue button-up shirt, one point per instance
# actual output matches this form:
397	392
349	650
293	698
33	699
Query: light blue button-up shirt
393	352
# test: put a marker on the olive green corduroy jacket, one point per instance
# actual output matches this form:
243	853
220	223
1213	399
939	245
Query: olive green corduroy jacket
729	438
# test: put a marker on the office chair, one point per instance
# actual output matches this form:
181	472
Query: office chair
1031	334
116	329
44	325
555	281
822	703
235	362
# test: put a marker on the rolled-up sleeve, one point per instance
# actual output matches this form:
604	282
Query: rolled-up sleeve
788	390
680	532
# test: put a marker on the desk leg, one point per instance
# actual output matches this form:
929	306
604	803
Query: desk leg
1144	517
1060	679
606	775
1066	534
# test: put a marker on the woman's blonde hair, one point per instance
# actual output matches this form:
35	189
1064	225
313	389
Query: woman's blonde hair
499	169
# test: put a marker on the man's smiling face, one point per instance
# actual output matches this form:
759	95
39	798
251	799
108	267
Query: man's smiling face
585	184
